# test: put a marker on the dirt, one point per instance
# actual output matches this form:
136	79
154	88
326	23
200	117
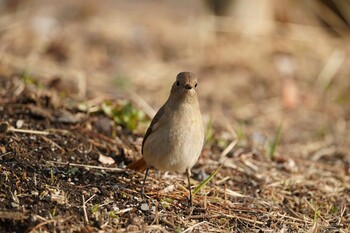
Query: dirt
46	179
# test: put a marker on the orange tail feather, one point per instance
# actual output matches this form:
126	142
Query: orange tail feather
139	165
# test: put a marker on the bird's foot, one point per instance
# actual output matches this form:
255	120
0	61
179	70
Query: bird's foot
143	195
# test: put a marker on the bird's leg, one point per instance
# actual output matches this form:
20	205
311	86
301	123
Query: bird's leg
144	182
188	173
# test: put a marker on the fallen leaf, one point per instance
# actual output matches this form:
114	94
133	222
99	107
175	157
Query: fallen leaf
290	96
2	149
105	159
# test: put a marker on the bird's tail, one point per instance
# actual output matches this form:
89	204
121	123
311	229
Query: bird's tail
139	165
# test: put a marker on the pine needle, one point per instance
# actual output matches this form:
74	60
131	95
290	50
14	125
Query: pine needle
201	185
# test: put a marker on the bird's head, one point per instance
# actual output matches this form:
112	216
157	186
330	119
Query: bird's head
185	86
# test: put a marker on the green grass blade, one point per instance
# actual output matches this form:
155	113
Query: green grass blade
204	182
275	142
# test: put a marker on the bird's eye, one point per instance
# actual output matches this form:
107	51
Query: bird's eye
195	85
177	83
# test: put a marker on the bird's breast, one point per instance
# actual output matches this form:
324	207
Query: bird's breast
178	140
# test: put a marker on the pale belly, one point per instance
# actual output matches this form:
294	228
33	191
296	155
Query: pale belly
174	148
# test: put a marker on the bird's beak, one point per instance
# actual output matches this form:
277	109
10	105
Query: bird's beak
188	86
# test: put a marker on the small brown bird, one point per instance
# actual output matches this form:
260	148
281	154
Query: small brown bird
175	138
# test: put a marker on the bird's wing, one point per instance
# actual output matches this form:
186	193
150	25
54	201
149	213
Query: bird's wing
153	125
140	165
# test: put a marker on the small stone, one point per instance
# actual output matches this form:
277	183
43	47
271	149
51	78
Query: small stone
144	207
19	124
35	193
14	205
104	126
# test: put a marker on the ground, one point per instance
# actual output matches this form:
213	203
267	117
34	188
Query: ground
82	81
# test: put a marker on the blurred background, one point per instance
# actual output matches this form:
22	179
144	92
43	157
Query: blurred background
260	64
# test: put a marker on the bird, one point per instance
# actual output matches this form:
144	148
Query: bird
175	138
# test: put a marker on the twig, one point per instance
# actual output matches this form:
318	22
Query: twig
228	149
181	186
4	154
233	143
293	218
84	209
143	104
47	222
53	143
157	214
343	208
151	228
313	208
13	215
231	193
6	127
244	219
125	210
202	216
166	222
223	180
40	217
88	166
195	225
331	67
42	224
